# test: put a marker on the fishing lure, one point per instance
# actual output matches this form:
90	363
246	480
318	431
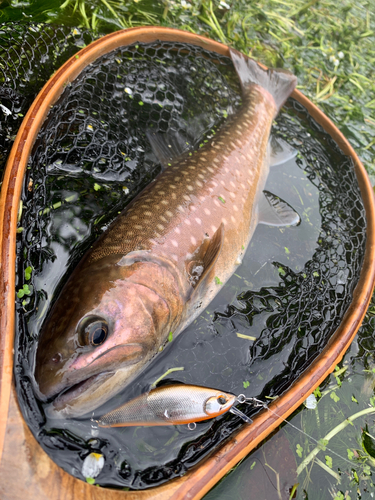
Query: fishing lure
174	405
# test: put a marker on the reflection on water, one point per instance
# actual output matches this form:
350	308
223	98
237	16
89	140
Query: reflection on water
272	317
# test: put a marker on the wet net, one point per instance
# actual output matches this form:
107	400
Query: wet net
90	159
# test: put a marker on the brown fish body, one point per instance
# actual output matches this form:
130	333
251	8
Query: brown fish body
170	405
155	268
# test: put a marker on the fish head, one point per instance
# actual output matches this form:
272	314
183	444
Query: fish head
108	321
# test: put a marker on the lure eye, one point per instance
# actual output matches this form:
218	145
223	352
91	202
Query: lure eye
221	400
93	331
214	405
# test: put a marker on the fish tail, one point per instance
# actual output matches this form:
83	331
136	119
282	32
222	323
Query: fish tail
279	83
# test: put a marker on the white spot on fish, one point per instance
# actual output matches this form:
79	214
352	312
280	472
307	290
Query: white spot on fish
232	194
198	183
235	208
193	208
181	208
193	240
217	203
186	197
177	230
169	213
225	221
163	218
190	188
160	226
232	184
214	229
174	257
207	212
164	202
232	218
174	243
187	222
198	221
138	226
174	196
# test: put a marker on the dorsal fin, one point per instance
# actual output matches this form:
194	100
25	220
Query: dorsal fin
167	147
202	265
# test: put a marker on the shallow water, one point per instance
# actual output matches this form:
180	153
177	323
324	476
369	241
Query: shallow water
289	294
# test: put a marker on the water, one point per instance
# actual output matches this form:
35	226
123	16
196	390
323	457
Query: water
281	295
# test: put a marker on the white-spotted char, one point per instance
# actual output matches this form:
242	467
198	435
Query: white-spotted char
156	267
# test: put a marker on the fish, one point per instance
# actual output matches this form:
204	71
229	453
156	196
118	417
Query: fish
166	256
170	405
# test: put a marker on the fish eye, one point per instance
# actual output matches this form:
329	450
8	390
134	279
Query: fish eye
93	330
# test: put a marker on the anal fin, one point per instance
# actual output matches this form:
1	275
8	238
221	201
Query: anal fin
273	211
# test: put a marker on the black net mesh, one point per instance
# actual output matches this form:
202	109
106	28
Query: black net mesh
91	158
29	54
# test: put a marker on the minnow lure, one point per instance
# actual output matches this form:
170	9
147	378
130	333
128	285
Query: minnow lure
170	405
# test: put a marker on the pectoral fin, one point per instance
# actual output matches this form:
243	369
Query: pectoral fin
273	211
201	267
280	151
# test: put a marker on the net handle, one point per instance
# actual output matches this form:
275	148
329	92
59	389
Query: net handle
18	448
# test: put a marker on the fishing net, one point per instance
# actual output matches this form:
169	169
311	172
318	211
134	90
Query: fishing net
29	55
90	159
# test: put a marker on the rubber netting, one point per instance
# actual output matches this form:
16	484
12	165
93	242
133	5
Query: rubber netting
29	54
91	157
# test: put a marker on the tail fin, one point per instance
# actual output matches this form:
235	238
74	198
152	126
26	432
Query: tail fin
278	82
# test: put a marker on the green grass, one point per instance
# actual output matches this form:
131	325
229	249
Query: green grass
329	45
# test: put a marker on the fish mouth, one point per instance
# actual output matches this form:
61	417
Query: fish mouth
63	401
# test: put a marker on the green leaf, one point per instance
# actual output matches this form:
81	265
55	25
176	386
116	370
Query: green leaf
20	293
299	450
246	384
97	186
335	397
328	461
317	393
253	465
217	281
170	337
322	444
281	271
28	272
350	454
90	480
221	199
354	400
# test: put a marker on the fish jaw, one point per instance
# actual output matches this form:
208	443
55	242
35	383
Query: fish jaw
138	321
